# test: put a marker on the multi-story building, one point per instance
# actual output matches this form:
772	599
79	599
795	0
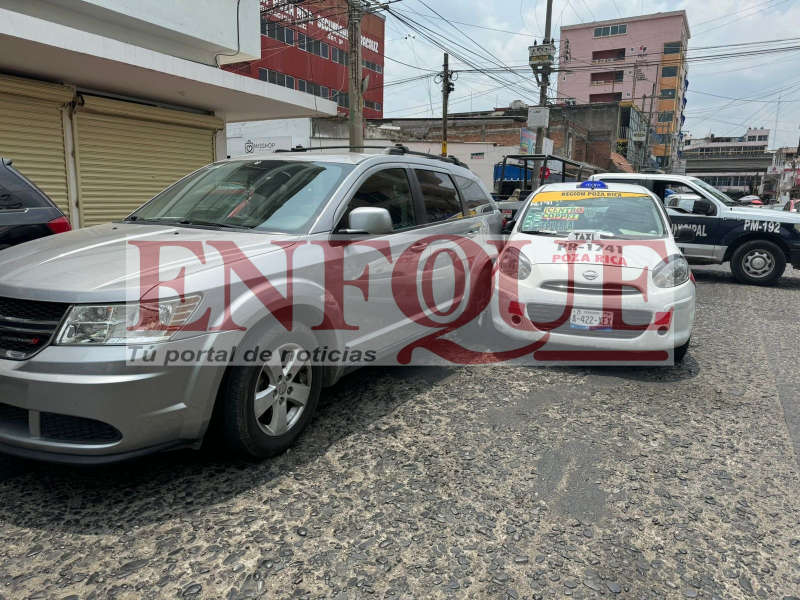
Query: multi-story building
104	103
783	176
640	60
304	47
735	165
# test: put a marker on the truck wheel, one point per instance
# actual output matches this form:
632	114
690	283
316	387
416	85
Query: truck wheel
265	407
758	262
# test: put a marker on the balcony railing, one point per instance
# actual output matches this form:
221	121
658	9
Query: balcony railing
607	60
607	82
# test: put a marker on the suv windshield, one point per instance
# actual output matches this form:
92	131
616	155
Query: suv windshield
263	195
726	200
623	215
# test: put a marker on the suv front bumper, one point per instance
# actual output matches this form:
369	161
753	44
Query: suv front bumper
85	405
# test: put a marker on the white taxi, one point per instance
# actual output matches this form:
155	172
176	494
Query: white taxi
594	267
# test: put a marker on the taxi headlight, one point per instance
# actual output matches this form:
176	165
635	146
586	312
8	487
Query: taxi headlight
514	264
671	272
120	324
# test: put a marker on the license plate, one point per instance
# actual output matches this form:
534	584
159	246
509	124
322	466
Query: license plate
591	320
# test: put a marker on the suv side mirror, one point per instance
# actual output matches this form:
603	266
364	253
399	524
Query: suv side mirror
370	220
685	235
703	207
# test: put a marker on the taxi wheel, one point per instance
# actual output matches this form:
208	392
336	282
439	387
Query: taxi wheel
265	407
680	351
758	262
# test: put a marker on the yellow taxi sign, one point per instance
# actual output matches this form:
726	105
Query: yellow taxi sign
583	194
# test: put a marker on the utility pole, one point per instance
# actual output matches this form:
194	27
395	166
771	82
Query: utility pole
777	116
540	132
447	86
649	125
355	90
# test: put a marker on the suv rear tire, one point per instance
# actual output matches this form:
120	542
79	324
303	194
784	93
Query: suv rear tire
758	262
265	407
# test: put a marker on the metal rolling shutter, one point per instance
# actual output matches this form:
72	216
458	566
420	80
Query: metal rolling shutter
32	135
124	161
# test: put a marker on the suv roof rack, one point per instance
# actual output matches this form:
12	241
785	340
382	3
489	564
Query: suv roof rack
397	149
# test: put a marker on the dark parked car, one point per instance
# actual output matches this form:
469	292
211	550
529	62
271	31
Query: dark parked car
26	213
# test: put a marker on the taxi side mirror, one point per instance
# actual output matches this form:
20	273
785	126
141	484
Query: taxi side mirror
685	235
509	226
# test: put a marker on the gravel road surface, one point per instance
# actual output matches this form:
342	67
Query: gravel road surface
492	482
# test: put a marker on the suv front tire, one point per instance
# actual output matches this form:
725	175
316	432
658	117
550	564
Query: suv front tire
265	407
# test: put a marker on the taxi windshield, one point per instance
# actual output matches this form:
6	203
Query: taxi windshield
623	215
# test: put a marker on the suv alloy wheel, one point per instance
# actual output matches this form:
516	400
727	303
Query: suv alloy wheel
264	408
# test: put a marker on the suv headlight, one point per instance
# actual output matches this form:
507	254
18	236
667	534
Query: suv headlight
671	272
119	324
514	264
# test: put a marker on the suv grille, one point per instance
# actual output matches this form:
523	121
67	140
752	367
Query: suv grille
13	414
625	322
77	429
26	326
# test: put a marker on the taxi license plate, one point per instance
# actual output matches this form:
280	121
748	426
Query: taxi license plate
591	320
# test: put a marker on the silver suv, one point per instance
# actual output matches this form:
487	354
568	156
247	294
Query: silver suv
84	314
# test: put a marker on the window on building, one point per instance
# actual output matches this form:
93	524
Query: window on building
313	89
276	78
309	44
277	32
669	71
666	116
371	66
341	98
372	105
339	56
613	55
667	94
763	138
672	48
610	30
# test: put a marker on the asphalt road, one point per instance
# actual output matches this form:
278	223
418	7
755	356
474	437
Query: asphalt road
489	482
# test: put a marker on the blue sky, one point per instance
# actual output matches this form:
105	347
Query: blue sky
757	79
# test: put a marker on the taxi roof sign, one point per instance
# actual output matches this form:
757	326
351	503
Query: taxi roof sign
593	185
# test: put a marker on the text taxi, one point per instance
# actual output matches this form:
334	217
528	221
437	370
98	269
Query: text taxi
592	267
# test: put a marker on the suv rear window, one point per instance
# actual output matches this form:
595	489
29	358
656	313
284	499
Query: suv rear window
439	193
17	192
476	199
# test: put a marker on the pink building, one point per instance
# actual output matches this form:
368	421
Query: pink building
624	60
